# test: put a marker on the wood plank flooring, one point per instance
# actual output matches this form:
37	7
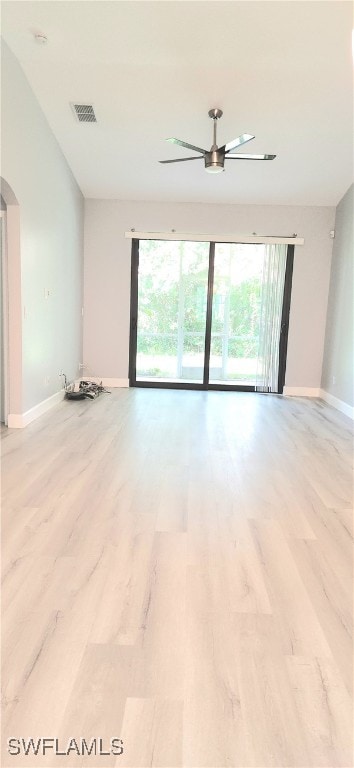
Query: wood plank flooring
178	573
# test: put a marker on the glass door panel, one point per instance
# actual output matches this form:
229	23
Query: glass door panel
238	271
172	300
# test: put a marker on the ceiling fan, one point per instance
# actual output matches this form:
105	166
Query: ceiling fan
214	159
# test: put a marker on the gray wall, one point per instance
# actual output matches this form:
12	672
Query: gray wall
51	231
337	375
107	273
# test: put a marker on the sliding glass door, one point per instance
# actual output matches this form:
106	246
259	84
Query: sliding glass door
235	327
203	314
171	318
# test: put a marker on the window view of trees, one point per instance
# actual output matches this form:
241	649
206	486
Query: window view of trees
173	281
236	311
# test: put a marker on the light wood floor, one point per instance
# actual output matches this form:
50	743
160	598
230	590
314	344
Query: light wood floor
177	572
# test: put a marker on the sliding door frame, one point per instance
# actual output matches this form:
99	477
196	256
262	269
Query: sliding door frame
284	325
134	287
134	302
205	384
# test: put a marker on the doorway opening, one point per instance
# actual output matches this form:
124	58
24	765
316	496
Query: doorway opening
11	315
3	318
208	315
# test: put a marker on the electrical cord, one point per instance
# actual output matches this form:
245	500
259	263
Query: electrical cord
85	389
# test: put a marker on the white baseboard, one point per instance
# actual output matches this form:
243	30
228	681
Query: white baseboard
340	405
110	383
20	420
302	391
335	402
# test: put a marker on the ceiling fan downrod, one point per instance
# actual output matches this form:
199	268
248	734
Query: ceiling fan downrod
215	115
215	158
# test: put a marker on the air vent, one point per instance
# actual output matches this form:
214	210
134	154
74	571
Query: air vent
84	113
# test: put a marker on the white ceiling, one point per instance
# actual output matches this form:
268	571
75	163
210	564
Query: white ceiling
279	70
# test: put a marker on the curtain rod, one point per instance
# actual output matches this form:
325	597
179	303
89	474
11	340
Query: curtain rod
212	238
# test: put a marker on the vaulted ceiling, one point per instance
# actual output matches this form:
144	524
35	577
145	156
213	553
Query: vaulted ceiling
279	70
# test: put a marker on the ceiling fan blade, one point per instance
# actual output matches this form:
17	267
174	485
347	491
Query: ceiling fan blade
238	142
182	159
250	157
187	146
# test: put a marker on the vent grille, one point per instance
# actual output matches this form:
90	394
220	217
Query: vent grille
84	113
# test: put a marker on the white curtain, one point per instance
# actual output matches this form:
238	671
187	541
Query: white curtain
270	317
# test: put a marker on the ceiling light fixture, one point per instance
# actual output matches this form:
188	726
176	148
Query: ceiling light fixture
214	159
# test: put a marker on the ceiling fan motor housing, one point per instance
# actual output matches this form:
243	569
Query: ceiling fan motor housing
214	161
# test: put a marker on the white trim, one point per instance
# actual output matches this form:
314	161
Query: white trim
302	392
15	421
20	420
211	238
335	402
110	383
5	317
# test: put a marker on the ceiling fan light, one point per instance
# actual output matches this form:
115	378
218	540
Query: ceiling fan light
214	168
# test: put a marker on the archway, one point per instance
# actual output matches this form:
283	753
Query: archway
13	305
